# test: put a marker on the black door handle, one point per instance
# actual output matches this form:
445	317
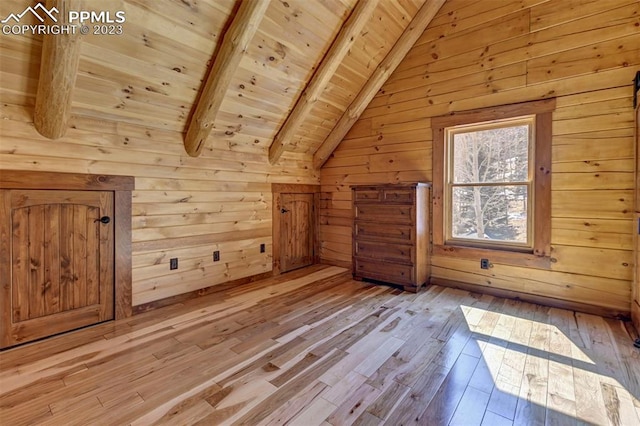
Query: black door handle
104	220
283	210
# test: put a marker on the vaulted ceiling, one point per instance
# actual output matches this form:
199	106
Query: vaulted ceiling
322	59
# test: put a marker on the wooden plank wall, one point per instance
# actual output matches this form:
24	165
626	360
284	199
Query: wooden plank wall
131	102
133	97
182	207
477	54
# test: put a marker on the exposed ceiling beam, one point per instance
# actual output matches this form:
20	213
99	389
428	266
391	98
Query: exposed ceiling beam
406	41
318	83
234	44
58	71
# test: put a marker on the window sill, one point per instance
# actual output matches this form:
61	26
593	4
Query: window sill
496	256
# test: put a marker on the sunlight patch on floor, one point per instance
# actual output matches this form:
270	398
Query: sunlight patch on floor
537	363
563	346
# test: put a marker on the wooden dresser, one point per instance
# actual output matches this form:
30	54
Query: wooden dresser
391	233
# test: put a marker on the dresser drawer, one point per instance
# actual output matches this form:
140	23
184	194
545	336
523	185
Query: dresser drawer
385	251
367	195
388	272
397	195
369	230
402	214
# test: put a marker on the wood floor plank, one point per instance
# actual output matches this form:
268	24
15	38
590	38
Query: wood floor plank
408	364
286	392
344	387
412	404
492	419
385	403
371	358
445	402
315	347
30	393
471	409
187	415
26	414
531	408
482	378
314	414
297	404
589	399
628	356
561	404
353	405
70	410
367	419
503	401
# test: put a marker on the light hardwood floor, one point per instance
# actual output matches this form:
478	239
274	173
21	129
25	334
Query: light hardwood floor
315	347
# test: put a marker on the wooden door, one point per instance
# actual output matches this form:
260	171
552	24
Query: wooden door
296	231
635	302
56	262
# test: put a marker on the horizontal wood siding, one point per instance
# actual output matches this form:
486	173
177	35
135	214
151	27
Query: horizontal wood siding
134	95
479	54
182	207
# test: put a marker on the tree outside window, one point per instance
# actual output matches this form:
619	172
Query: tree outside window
492	183
489	182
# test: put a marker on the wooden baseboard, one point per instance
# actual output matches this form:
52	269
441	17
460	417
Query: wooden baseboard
198	293
635	317
340	263
534	298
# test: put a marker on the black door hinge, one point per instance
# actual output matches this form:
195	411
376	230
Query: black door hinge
636	87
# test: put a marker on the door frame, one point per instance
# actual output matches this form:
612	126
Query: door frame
635	290
277	189
121	186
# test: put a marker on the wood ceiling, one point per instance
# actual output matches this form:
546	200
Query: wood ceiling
303	74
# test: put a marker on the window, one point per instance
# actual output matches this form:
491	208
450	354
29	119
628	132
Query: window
491	183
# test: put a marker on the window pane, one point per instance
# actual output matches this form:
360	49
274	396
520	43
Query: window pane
493	155
490	213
